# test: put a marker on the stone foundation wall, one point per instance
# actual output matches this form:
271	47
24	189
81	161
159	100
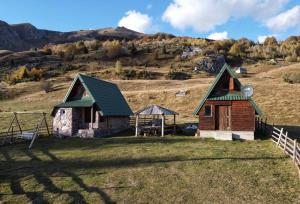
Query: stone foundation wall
62	122
69	122
226	135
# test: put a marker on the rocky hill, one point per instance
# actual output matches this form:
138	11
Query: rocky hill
20	37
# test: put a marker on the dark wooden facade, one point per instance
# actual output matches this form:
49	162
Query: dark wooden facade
228	115
224	107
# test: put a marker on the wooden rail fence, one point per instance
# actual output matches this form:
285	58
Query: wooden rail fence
280	137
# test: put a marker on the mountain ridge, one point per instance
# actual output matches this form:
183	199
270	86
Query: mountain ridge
25	36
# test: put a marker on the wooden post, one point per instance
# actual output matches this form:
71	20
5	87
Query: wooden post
92	116
162	125
136	125
174	124
266	126
286	135
44	115
295	150
280	135
11	124
18	122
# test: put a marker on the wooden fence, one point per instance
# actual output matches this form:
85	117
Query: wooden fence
280	137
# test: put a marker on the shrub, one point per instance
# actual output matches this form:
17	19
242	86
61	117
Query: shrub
235	50
175	75
128	74
270	41
35	74
291	59
80	48
118	68
113	49
23	74
48	51
17	76
291	78
145	75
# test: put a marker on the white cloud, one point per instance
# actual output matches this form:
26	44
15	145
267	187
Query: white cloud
285	20
136	21
261	39
218	36
205	15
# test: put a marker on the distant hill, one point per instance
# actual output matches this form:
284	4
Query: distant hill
20	37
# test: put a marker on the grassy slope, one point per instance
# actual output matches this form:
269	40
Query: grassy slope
148	170
154	170
278	100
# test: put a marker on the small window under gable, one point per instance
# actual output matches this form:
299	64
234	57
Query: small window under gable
208	110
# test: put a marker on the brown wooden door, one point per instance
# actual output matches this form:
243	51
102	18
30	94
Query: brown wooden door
224	118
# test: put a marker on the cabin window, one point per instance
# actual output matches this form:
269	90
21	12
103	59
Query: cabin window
208	111
62	111
101	119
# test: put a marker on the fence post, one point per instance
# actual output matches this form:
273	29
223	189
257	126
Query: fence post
286	135
266	126
260	124
295	150
280	135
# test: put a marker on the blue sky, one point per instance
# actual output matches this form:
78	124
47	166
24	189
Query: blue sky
197	18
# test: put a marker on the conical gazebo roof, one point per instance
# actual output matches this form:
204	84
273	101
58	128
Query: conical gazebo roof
155	110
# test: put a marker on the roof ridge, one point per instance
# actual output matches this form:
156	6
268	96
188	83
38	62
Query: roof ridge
90	77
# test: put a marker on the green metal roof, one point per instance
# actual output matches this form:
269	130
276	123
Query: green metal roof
76	103
105	95
227	97
236	96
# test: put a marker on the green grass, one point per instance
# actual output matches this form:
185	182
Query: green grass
147	170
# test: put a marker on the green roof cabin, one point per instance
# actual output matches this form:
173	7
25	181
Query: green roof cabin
224	112
91	108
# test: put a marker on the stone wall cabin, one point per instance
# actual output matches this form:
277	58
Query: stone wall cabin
91	108
224	113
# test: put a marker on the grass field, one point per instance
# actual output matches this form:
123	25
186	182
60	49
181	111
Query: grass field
147	170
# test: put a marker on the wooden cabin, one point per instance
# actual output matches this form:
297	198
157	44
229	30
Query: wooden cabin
224	113
91	108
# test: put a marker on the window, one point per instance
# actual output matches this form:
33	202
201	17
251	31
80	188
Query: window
207	111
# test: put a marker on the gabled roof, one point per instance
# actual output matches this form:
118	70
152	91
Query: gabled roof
105	95
155	110
229	96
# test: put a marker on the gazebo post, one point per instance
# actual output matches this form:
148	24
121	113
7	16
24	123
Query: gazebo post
92	116
162	125
136	125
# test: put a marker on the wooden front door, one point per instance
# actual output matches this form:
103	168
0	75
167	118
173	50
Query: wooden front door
223	118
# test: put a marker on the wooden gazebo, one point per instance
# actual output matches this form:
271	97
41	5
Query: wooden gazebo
154	112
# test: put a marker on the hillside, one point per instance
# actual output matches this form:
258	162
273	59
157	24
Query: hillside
278	100
21	37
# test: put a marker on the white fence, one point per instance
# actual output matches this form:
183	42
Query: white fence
280	137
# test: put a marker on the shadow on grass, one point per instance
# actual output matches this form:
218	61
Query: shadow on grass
74	143
293	130
41	172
